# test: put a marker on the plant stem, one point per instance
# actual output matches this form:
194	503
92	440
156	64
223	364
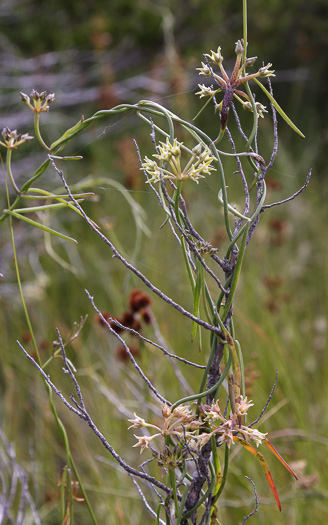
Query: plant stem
38	133
9	172
207	392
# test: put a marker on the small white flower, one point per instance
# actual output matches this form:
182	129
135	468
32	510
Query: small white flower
212	416
266	72
138	422
260	109
12	139
254	434
183	412
168	150
143	442
204	70
243	406
216	58
226	431
205	91
151	167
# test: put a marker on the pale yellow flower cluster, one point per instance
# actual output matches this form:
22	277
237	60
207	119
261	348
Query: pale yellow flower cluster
228	428
38	102
198	166
12	139
179	422
182	424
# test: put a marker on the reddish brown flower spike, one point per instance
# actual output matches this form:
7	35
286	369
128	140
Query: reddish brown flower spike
130	321
26	337
138	300
122	354
145	316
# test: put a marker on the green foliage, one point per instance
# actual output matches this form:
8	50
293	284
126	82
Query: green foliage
280	320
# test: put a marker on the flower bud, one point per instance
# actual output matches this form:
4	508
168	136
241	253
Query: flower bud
239	49
266	71
197	149
12	139
166	411
250	61
216	58
204	70
24	97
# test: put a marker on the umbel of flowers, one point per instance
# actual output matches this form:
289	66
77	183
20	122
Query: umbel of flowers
170	167
230	85
189	432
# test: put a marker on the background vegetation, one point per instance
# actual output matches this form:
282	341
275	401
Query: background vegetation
87	54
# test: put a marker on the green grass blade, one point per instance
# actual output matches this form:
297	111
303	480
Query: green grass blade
279	109
38	225
197	291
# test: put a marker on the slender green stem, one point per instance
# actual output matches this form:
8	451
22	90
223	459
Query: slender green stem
174	489
83	492
232	210
208	364
225	473
62	494
217	466
236	273
197	291
241	364
60	425
248	90
9	172
176	198
205	496
20	288
46	207
70	500
41	226
158	513
167	115
245	29
25	187
44	195
187	263
255	122
207	392
183	471
207	302
182	504
233	242
38	133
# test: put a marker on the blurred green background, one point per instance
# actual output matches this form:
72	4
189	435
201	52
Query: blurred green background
94	56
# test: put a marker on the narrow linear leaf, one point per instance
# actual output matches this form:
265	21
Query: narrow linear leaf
187	263
231	209
76	157
182	504
279	109
281	459
273	488
208	302
202	108
197	290
67	135
43	194
38	225
264	466
45	207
